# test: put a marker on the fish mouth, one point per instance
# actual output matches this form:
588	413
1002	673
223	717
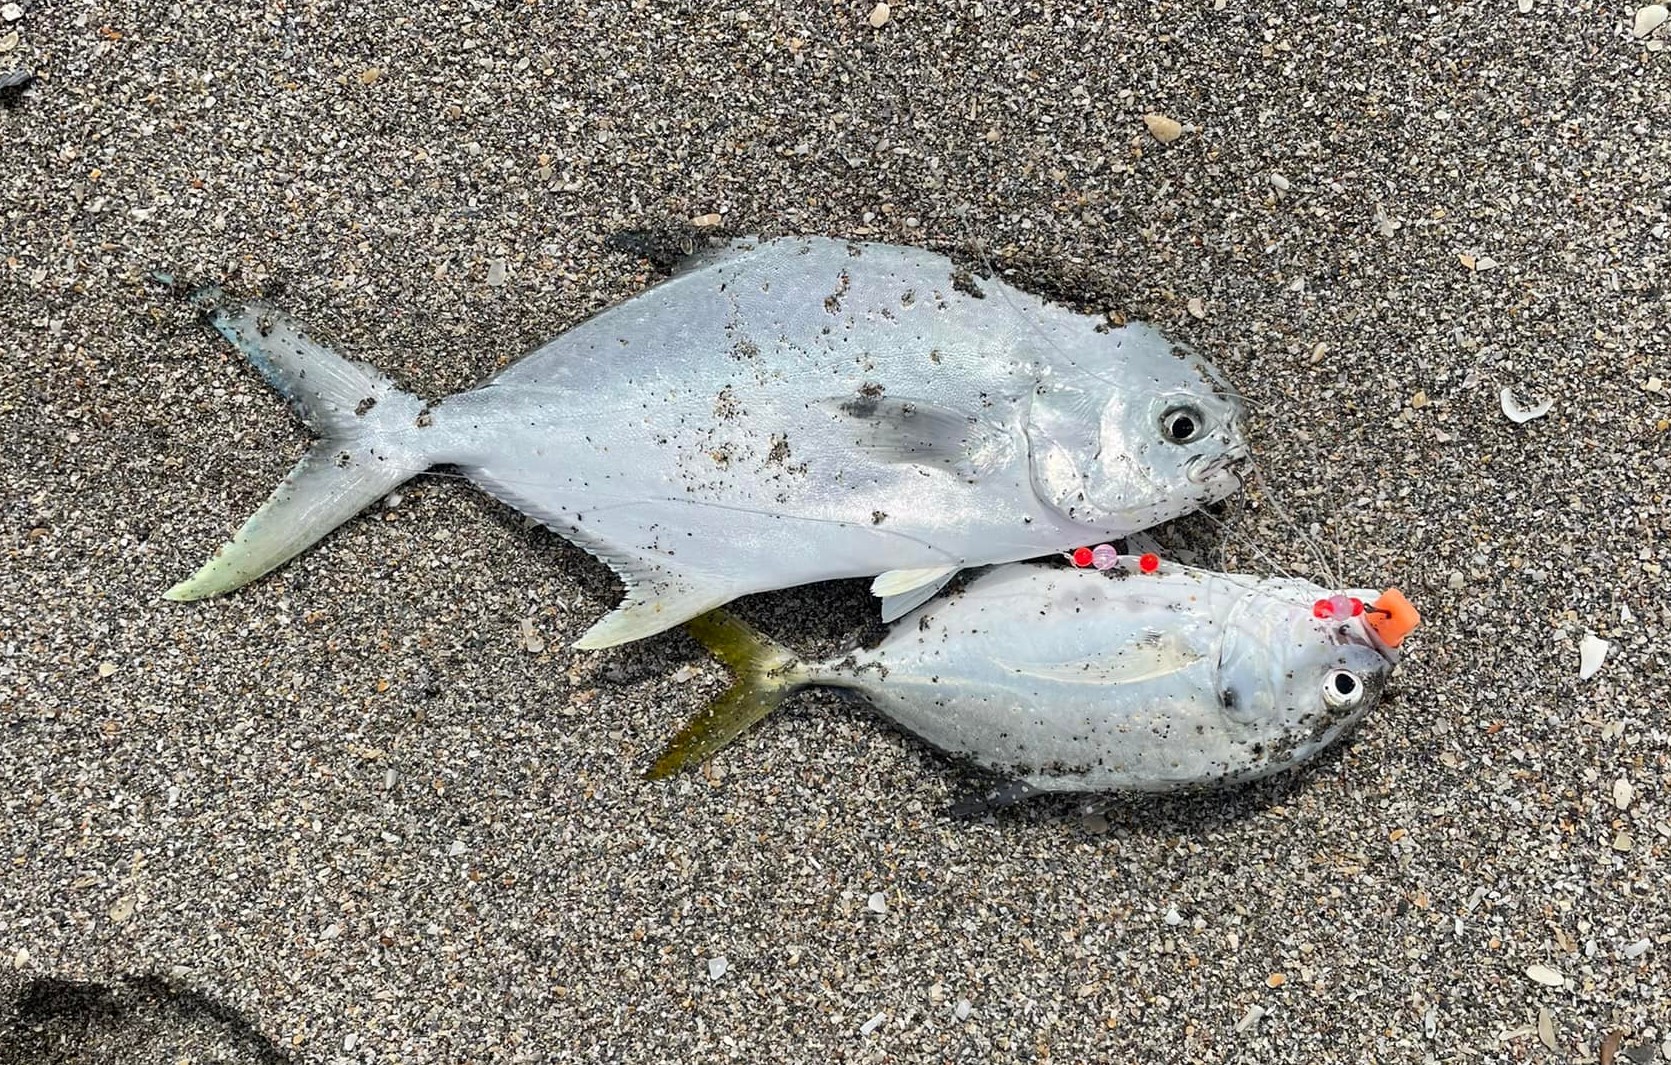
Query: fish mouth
1202	469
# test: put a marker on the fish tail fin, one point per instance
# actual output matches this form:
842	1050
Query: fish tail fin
766	673
366	448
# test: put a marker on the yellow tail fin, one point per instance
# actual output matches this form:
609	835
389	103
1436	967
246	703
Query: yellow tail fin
766	673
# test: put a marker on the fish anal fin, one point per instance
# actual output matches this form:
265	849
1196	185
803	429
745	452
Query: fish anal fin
651	607
659	596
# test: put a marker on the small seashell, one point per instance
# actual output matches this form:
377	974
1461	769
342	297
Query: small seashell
879	15
1648	19
717	967
1518	414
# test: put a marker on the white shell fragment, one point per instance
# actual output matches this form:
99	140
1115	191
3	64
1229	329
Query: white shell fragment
1638	948
1648	19
1543	974
877	903
1520	415
1591	653
871	1025
1623	793
717	967
1252	1017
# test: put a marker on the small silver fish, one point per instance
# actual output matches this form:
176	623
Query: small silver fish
1065	680
776	413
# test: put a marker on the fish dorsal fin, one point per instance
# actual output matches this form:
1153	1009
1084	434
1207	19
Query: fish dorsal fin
904	590
1156	655
925	434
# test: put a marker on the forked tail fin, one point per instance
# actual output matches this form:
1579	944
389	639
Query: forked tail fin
766	673
366	447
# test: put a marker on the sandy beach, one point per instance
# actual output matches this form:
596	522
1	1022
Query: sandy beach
373	808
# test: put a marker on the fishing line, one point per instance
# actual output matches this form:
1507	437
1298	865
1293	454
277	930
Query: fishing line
1282	514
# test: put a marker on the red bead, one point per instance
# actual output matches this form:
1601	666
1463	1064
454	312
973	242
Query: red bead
1149	563
1082	556
1322	609
1357	606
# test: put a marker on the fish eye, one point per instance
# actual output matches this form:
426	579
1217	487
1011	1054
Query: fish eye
1343	689
1182	424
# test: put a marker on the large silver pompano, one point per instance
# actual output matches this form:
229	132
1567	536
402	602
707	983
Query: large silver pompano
776	413
1072	680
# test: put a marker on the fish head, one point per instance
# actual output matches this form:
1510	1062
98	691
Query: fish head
1295	675
1119	454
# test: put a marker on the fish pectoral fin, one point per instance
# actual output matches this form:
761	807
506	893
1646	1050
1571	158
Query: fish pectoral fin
898	604
924	434
983	801
897	582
